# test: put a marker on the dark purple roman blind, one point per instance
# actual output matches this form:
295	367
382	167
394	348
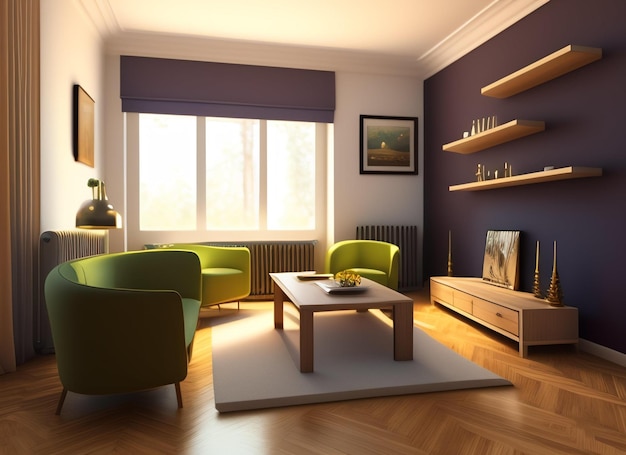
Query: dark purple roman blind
166	86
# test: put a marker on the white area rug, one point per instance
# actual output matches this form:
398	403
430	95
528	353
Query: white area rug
256	366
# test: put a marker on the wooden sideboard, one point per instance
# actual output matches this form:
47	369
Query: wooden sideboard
517	315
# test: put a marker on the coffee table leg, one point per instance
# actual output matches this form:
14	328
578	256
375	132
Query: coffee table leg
306	341
279	298
403	331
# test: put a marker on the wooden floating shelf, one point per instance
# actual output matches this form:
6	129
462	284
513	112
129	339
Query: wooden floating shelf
554	65
563	173
510	131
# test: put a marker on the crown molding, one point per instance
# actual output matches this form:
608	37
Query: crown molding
493	19
256	53
101	16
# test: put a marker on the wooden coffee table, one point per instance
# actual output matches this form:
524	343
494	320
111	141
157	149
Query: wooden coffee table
309	298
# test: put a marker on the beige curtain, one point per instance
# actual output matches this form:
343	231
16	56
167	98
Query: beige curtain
19	178
7	351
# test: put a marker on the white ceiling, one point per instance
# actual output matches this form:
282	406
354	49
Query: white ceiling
423	34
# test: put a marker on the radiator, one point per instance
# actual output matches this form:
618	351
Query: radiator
279	256
405	237
56	247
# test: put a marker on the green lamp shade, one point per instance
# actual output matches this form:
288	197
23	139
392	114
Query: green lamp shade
97	214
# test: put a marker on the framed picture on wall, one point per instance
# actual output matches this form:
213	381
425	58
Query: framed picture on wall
83	134
388	145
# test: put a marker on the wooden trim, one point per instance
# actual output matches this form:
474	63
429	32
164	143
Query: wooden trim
515	129
558	63
564	173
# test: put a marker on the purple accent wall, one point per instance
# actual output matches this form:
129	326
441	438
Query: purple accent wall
585	115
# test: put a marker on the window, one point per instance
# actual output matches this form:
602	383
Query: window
227	178
290	175
167	174
232	174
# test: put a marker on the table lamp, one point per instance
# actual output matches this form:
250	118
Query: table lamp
97	212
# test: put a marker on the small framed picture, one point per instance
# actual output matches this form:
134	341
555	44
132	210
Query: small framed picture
388	145
84	111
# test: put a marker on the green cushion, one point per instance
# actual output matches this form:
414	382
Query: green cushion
375	275
191	311
220	271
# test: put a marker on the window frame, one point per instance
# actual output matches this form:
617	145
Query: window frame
137	238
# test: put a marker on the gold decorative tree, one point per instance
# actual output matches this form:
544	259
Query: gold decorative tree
536	286
555	293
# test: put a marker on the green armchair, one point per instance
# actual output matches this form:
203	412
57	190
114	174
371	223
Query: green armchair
124	322
225	272
378	261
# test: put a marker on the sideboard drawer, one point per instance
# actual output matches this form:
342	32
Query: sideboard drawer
463	301
441	293
497	315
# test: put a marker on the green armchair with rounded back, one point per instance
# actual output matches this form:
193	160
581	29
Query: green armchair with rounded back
378	261
225	272
124	322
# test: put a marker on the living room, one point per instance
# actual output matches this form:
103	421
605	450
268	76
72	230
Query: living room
583	112
577	109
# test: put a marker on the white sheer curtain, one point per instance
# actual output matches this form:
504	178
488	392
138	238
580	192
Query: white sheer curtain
19	178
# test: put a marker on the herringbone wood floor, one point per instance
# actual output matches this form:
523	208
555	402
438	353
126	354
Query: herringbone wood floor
562	402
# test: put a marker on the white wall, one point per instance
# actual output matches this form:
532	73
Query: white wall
71	53
115	148
373	199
